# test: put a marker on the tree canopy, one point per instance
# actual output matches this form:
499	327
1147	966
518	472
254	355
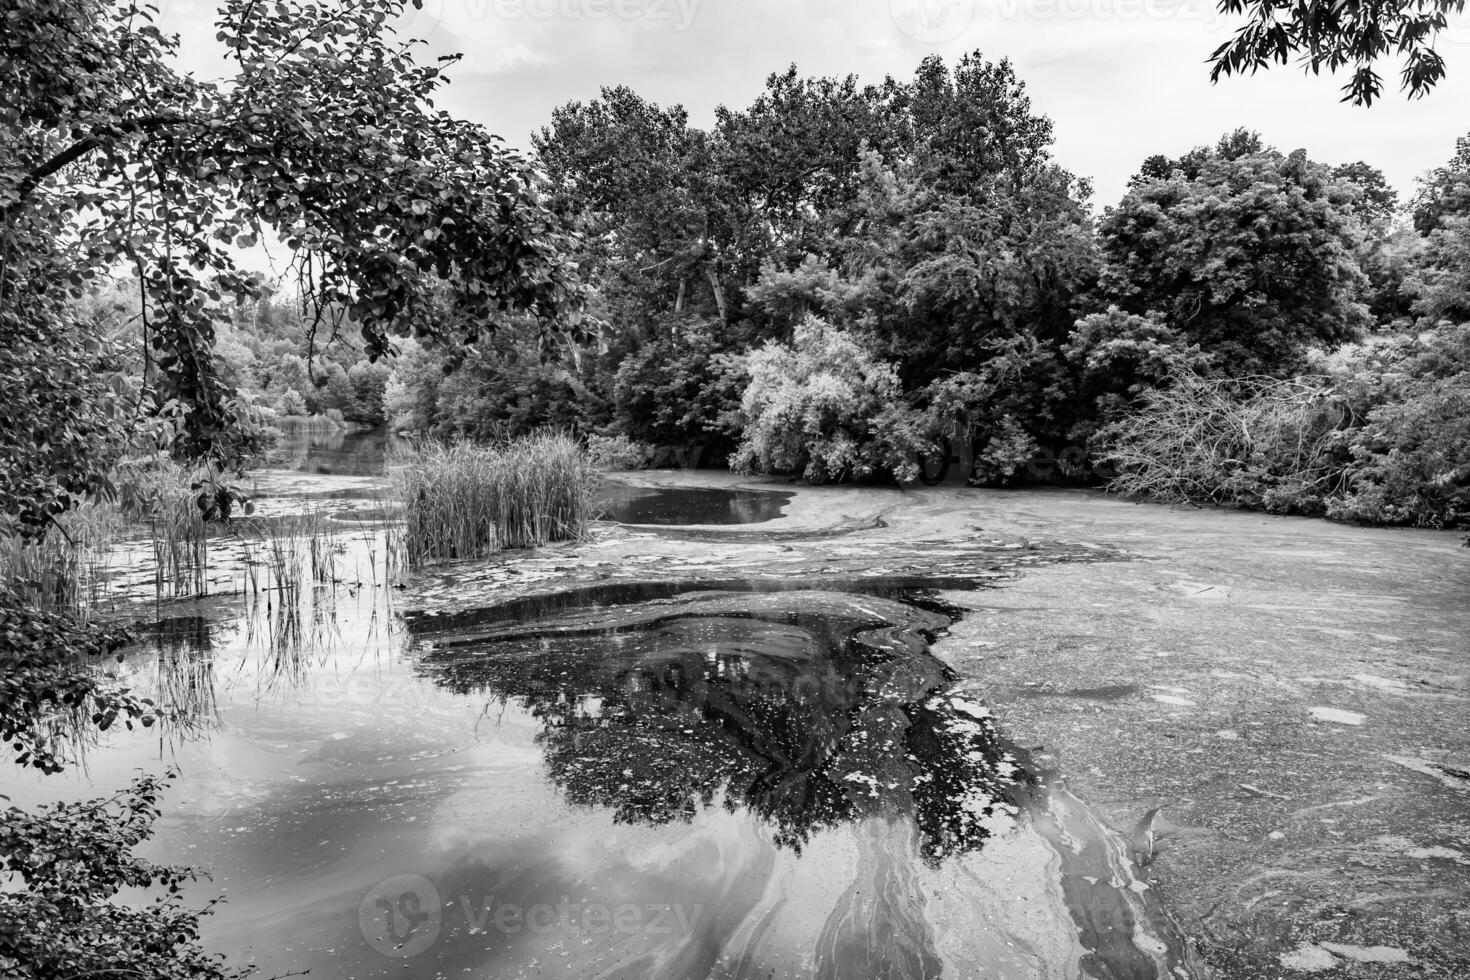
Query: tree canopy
1350	35
401	219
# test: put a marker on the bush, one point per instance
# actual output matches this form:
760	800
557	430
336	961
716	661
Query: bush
824	407
618	453
676	388
1411	461
1385	439
70	861
465	499
1264	444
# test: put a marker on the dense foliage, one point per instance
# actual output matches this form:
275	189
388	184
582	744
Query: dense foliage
1382	435
70	861
825	408
1328	35
400	218
1252	257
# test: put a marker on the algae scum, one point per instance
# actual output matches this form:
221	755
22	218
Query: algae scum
752	777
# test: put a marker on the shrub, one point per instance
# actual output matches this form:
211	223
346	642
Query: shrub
618	452
1264	443
1384	439
465	499
1008	449
675	388
291	403
70	861
824	407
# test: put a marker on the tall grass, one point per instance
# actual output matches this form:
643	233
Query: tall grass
64	569
158	492
290	554
462	499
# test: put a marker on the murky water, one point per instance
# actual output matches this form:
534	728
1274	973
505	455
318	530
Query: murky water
355	452
750	778
686	505
336	452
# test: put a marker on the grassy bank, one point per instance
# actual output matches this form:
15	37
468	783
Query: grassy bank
465	499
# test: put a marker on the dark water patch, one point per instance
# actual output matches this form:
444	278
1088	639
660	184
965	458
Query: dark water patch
840	529
917	590
807	709
688	505
813	712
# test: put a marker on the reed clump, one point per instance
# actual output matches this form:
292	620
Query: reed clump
63	570
157	492
463	499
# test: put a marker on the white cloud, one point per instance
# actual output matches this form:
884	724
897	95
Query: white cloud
1122	79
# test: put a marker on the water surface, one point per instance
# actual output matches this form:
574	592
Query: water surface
746	778
688	505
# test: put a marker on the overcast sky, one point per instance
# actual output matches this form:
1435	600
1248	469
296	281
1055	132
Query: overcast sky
1122	79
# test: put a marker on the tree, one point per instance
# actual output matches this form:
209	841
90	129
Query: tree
1441	285
1232	146
1377	201
1253	259
399	216
1323	34
677	387
1444	191
641	180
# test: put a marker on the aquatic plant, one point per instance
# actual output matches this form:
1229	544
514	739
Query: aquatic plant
464	499
287	555
159	493
63	569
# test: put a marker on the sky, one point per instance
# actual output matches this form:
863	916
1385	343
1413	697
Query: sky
1121	79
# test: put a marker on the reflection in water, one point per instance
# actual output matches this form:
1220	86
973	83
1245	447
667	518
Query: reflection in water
184	681
767	778
342	452
688	505
808	709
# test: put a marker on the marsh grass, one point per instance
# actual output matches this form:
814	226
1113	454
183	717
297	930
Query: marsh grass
159	494
286	556
65	569
463	500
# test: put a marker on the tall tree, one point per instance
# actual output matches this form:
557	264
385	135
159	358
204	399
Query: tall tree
398	216
1444	191
1253	259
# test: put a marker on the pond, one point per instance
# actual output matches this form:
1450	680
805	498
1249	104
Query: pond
364	452
754	777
